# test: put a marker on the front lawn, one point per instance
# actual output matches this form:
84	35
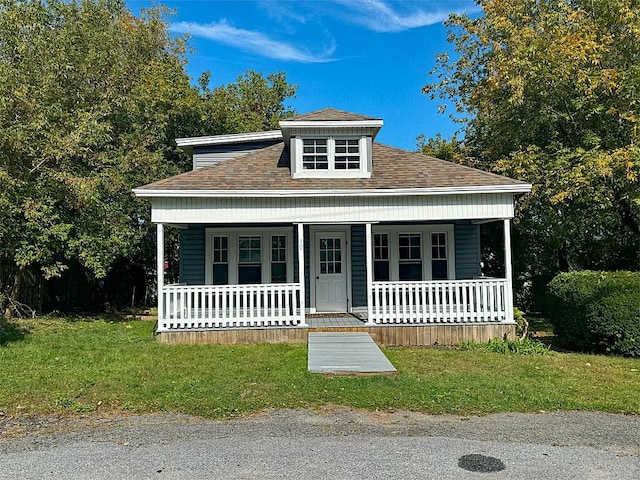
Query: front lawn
62	366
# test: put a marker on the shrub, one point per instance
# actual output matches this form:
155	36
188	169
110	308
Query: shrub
522	324
581	306
615	322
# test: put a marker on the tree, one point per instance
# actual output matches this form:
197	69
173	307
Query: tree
252	104
91	100
548	92
89	97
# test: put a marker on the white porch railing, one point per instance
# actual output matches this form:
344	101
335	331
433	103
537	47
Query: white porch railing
222	306
456	301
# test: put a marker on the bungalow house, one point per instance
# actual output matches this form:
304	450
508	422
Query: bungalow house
316	219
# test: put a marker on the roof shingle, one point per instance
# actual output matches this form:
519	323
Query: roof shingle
329	115
393	168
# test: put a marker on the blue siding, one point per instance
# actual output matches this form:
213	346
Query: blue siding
192	255
358	266
467	241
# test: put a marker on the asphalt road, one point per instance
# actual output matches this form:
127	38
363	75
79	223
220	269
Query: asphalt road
334	443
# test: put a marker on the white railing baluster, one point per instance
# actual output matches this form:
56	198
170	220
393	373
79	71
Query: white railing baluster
454	301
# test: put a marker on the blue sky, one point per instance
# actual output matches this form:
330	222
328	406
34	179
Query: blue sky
365	56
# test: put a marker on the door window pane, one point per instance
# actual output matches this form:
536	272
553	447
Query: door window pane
330	255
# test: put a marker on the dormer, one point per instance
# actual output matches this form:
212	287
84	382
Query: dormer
330	143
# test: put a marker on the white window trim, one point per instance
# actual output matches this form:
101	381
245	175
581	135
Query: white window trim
233	234
425	244
298	152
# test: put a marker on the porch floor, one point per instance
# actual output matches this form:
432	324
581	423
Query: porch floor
327	320
346	353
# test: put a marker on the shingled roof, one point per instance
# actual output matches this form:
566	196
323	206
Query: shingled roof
268	170
329	115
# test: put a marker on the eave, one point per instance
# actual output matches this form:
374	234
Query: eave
514	189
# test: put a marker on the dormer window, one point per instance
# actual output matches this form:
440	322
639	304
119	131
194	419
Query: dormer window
315	154
330	143
331	156
321	153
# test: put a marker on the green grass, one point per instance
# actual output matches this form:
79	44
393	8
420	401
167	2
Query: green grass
70	366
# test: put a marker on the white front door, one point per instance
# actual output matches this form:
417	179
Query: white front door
331	271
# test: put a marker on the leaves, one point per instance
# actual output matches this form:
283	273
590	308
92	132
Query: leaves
549	92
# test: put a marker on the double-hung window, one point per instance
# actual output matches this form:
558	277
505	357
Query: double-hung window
249	259
410	256
249	256
413	254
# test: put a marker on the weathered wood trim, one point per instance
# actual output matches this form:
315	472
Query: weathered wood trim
384	336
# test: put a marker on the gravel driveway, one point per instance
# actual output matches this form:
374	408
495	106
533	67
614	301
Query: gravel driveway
325	444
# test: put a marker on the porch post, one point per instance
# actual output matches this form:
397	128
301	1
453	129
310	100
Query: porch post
369	253
508	271
160	273
301	281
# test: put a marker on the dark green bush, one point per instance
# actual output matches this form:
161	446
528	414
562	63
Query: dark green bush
615	322
596	311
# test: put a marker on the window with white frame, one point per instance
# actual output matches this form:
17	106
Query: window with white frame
249	256
409	256
329	156
347	154
439	256
278	258
220	270
381	270
413	254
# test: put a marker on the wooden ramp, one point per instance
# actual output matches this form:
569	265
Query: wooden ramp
346	353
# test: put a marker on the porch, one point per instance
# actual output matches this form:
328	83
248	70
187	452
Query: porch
198	307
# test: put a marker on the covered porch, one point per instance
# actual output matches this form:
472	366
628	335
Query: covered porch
375	294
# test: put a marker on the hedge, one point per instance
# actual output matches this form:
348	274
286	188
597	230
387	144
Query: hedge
596	311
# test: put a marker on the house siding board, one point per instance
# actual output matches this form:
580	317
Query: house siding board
338	208
215	154
192	255
358	266
467	245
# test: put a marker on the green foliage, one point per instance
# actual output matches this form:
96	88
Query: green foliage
548	93
525	346
596	311
522	324
615	323
251	104
91	100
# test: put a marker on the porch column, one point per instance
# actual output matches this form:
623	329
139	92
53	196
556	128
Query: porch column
160	273
369	253
508	271
301	281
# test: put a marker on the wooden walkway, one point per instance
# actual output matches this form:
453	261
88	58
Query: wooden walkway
346	353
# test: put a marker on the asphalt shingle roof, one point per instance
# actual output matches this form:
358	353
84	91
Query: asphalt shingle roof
393	168
329	115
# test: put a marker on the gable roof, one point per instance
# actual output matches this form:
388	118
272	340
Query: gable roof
266	172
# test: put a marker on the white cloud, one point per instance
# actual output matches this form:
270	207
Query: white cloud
253	42
381	16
